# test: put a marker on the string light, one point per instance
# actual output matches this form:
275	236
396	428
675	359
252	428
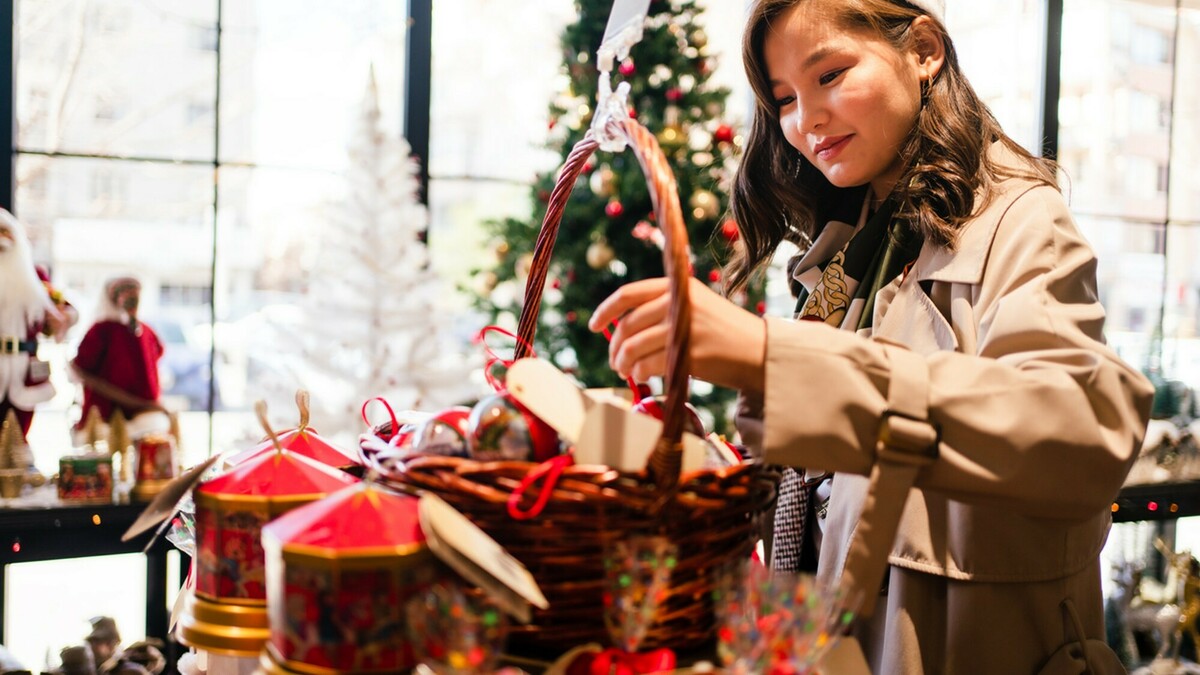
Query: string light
16	546
1153	506
95	518
1115	507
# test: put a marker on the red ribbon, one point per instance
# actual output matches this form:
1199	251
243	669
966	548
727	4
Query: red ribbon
613	661
551	469
493	358
633	385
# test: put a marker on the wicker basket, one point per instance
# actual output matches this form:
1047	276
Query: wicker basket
713	516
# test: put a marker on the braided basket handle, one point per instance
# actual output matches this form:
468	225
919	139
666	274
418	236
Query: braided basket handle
664	463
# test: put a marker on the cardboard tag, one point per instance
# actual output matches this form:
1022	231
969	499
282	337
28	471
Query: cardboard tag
469	551
600	424
845	658
549	394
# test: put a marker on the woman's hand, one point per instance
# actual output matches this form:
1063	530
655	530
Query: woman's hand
727	342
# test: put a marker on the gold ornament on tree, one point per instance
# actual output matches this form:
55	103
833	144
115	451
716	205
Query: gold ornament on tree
603	181
672	134
705	205
600	254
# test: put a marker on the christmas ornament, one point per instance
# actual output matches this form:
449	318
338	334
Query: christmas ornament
705	205
723	134
674	94
453	630
700	38
603	181
443	434
729	230
600	254
523	265
637	574
614	209
714	276
499	428
484	283
775	622
653	406
626	68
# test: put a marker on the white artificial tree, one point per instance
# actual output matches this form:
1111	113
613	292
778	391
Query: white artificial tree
375	320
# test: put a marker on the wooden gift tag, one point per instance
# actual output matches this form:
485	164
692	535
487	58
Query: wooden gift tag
600	424
469	551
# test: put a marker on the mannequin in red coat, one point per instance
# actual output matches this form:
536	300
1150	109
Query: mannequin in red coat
28	310
118	357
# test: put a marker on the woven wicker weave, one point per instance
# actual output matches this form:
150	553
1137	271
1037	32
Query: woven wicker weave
713	516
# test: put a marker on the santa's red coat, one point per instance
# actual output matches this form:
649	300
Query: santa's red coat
124	357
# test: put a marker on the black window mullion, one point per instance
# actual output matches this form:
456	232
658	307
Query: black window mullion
8	117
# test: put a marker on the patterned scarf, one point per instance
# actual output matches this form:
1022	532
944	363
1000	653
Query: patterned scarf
841	292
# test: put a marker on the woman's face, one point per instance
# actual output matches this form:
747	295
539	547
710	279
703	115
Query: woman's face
847	100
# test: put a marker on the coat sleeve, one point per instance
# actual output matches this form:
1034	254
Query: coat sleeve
91	351
1044	419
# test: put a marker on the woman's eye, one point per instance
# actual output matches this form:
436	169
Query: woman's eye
784	101
831	76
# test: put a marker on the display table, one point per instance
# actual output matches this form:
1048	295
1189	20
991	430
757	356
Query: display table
1159	501
58	532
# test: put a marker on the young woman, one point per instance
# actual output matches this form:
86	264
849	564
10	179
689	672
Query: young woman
951	344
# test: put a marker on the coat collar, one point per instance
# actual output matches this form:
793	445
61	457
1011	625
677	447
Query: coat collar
966	262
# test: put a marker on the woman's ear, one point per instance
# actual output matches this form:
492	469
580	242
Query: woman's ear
929	47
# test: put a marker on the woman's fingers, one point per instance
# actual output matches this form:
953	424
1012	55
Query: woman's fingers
632	354
625	298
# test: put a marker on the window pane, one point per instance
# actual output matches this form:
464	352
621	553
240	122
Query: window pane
293	72
1130	280
93	219
271	224
48	604
491	102
1010	86
75	92
1115	109
1185	169
1181	324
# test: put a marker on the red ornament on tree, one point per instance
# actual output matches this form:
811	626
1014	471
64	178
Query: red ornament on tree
588	166
571	316
723	134
729	230
614	209
761	307
543	196
632	113
714	276
626	68
674	94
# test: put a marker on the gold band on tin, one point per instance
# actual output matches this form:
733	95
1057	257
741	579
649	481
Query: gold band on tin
234	630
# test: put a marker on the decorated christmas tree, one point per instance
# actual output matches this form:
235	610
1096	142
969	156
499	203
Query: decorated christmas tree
374	321
608	236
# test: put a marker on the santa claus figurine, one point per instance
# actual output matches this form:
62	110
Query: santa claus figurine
118	358
29	308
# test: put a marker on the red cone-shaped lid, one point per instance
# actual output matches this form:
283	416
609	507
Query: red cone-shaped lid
278	474
358	517
303	441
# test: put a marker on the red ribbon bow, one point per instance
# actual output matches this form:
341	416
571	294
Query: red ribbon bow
613	661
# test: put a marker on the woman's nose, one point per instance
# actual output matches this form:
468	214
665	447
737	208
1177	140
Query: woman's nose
810	117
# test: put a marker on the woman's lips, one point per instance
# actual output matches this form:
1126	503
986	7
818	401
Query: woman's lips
827	151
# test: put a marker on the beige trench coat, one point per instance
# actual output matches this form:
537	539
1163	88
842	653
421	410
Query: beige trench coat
1040	424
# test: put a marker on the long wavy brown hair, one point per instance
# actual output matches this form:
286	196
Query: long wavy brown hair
777	193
